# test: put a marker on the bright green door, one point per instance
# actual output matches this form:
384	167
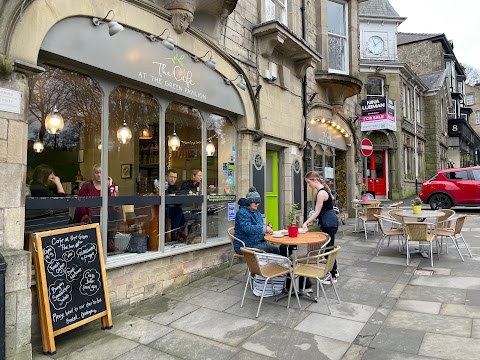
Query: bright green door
271	187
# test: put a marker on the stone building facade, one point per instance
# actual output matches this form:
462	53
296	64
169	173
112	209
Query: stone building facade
250	77
397	165
472	101
450	140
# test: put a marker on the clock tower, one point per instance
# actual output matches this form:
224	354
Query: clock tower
378	30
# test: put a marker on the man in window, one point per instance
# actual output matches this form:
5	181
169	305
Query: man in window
174	212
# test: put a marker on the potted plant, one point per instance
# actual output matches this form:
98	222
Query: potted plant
417	205
365	197
292	221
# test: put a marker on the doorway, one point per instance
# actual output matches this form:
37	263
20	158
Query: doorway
271	189
377	173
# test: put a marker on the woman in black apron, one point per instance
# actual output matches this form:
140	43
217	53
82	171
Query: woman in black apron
324	211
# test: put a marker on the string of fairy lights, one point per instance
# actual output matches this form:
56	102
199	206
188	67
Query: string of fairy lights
332	123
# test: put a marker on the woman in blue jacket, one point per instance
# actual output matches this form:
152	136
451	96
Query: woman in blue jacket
249	226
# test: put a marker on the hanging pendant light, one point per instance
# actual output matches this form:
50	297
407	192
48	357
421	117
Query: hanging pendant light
38	146
124	134
210	148
54	122
173	140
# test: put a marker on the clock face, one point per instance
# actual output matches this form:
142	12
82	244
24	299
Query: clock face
375	45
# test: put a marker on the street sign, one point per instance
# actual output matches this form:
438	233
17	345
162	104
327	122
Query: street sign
366	147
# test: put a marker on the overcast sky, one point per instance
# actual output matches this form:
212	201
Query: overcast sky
458	20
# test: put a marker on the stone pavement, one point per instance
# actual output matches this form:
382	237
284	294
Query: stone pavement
389	311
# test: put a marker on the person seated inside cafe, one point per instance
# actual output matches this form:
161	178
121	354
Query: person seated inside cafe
192	186
174	212
249	226
42	179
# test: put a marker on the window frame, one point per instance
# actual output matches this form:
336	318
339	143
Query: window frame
281	15
477	117
382	86
469	99
344	37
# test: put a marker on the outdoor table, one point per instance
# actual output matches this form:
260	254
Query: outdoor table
424	214
302	239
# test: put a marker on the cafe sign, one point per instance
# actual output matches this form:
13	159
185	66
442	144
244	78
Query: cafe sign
378	113
132	55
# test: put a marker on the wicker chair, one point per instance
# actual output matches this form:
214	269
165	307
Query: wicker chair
316	248
395	229
369	218
232	238
269	271
454	234
419	232
312	267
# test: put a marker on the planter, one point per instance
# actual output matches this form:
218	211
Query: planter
417	209
292	230
365	198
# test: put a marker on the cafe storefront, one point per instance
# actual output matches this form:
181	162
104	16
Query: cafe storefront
128	107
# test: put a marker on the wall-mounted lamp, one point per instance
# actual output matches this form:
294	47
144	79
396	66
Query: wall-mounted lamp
54	122
38	146
211	63
113	26
124	134
167	42
241	84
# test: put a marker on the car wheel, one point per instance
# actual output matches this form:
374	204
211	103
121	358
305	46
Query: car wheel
440	201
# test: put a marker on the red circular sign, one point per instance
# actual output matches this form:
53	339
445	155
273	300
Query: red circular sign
366	147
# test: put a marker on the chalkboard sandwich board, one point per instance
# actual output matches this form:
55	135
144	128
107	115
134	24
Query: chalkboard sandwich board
71	281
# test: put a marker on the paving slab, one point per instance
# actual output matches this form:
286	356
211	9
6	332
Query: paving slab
137	329
345	310
193	347
225	328
450	347
106	348
270	313
331	327
249	355
435	294
146	353
366	335
355	352
427	307
396	291
472	297
362	291
371	274
461	310
452	282
214	283
398	340
438	271
215	300
162	310
476	328
378	354
439	324
282	343
353	256
185	293
396	260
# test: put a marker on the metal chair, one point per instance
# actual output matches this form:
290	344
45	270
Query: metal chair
396	230
419	232
232	238
454	234
369	218
316	248
311	266
340	217
270	270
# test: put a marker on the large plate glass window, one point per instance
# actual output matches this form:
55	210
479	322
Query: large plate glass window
337	37
59	145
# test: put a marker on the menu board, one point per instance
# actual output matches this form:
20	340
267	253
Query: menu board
71	280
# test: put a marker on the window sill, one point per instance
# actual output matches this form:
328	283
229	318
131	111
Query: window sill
118	261
274	36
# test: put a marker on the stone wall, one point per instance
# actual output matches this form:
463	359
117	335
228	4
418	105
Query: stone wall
423	57
13	158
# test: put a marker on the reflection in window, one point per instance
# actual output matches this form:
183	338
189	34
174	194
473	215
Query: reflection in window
337	37
374	86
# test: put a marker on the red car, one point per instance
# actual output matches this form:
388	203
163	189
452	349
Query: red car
452	187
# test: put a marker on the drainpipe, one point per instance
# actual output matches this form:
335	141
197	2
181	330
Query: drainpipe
3	268
305	107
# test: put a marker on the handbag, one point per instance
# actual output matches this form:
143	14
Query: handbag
138	243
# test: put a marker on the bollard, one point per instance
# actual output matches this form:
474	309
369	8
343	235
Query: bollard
3	267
